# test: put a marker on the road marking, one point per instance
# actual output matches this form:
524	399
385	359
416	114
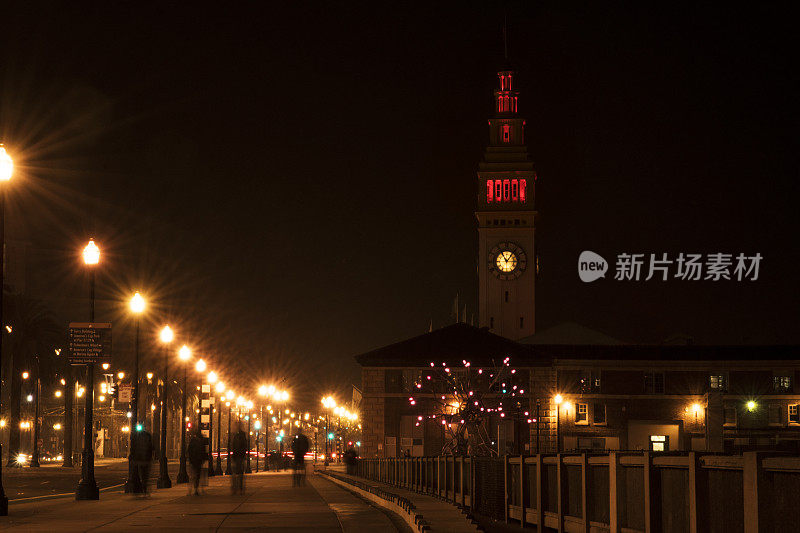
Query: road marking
54	496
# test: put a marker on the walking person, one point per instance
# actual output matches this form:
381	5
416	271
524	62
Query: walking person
143	452
238	455
300	447
196	453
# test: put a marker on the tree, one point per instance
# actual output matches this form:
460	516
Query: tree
465	400
31	330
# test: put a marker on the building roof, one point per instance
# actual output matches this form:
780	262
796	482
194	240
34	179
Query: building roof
458	342
570	333
450	344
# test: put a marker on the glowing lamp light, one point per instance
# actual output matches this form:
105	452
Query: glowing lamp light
56	426
137	303
558	399
121	375
22	458
258	425
25	375
139	427
6	164
128	414
230	394
330	435
166	335
751	406
212	377
3	423
200	366
58	394
262	390
101	398
185	353
220	387
696	408
91	253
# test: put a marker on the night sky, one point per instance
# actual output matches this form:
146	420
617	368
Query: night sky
294	185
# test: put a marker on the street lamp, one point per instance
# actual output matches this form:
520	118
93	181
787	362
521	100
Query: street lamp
219	388
133	483
229	396
328	403
211	379
166	336
87	486
184	354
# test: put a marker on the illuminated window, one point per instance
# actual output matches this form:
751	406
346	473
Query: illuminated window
717	382
582	413
782	383
794	414
659	443
489	191
515	190
498	191
515	104
506	133
506	190
522	184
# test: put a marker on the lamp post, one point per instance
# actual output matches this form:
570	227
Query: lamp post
249	417
257	425
212	379
87	486
184	354
6	169
328	403
166	336
38	385
133	483
200	367
220	388
558	400
229	395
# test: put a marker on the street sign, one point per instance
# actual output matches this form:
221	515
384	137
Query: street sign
89	342
125	394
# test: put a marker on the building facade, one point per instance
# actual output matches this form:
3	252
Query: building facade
591	397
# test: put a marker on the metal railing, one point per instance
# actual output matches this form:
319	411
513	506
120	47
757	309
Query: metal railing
617	491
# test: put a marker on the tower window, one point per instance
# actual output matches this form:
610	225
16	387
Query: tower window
506	133
522	185
506	190
514	190
489	192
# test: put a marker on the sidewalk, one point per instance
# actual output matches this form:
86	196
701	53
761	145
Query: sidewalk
269	503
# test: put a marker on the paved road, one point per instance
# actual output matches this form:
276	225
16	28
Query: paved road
29	482
270	503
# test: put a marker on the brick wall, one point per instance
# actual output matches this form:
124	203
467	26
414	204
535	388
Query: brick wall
543	390
372	412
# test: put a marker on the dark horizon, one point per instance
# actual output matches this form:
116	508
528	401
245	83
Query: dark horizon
296	186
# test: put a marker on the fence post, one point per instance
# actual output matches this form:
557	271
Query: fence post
753	480
505	485
561	473
613	493
652	494
522	484
539	495
585	491
694	473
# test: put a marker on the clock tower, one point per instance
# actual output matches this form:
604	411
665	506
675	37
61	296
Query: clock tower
506	256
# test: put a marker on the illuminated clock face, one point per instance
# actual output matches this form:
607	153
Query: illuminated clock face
507	261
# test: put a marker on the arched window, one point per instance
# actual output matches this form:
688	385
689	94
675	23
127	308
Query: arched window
489	191
506	133
506	191
522	191
514	190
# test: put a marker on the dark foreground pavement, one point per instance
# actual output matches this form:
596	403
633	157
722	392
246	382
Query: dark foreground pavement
270	503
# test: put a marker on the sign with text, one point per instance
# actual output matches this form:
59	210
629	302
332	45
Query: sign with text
125	393
89	342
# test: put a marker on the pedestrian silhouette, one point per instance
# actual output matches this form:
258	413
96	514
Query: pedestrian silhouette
142	458
300	447
196	453
238	454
